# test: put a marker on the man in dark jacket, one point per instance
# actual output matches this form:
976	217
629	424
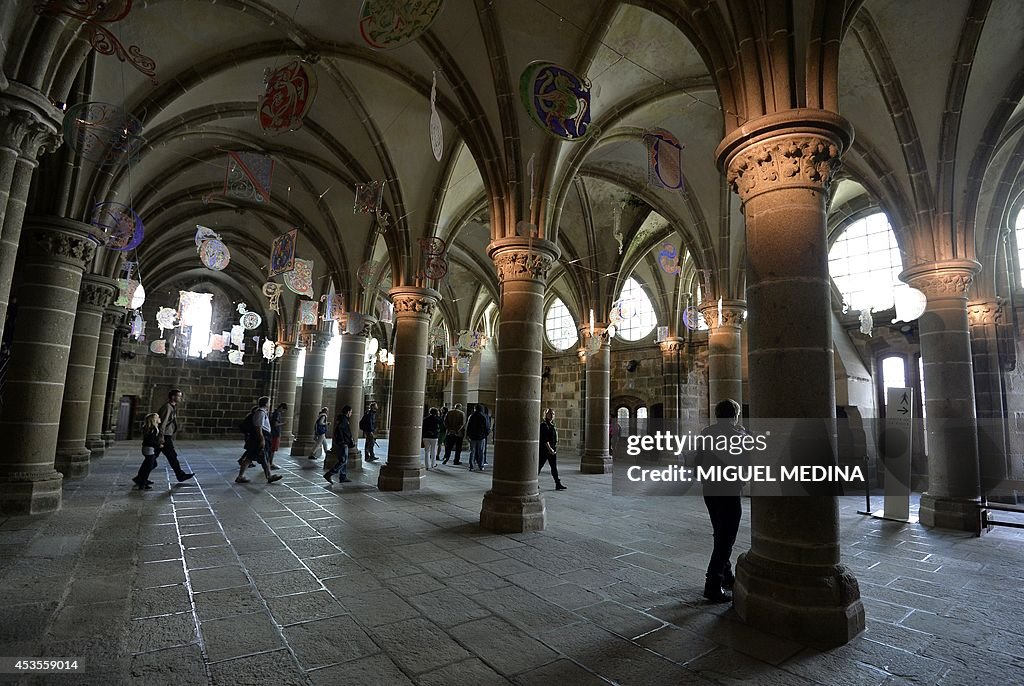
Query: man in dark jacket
549	447
342	442
454	424
169	426
477	431
276	424
368	425
431	430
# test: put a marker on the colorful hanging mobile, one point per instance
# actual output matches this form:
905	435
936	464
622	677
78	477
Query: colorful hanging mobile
282	253
664	160
212	251
387	24
122	228
308	311
668	259
273	291
248	320
436	132
102	133
369	197
300	279
165	317
288	96
248	176
556	99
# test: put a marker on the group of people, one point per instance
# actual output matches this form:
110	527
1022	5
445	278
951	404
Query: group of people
449	428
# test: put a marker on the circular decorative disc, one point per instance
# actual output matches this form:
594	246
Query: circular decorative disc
386	24
462	366
214	254
556	99
433	246
122	228
251	320
436	135
279	351
365	274
436	268
102	133
287	98
165	317
692	318
159	346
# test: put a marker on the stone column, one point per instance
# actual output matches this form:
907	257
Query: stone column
54	253
72	458
312	393
460	388
953	480
596	458
484	373
350	390
514	503
286	382
725	362
985	318
671	364
27	129
791	581
98	400
413	309
112	403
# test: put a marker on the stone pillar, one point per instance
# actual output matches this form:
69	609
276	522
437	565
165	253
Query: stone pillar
596	459
483	372
951	501
98	401
460	388
54	253
312	393
286	382
514	503
791	581
27	129
111	401
994	465
673	374
350	390
725	362
413	309
72	458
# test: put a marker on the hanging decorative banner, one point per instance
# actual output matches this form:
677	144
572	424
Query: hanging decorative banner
126	297
102	133
437	337
867	322
235	357
556	99
387	24
369	197
282	253
214	254
248	320
268	350
165	317
273	291
300	279
190	305
385	311
436	132
617	225
664	160
287	98
238	336
668	259
137	329
354	323
662	334
159	346
693	319
335	307
248	176
122	228
217	342
308	310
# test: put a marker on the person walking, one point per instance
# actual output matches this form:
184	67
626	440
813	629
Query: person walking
431	429
490	430
476	431
368	425
320	435
442	435
276	426
341	445
257	442
151	435
169	427
722	498
454	424
549	447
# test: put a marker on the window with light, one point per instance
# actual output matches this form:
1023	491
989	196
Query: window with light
865	263
560	327
643	321
622	417
1020	246
201	318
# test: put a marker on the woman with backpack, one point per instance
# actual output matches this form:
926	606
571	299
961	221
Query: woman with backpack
320	435
151	444
257	440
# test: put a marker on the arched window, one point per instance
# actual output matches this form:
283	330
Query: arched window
865	263
635	301
1020	246
894	372
560	327
201	317
622	417
641	420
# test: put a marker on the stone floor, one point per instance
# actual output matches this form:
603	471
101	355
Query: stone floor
210	582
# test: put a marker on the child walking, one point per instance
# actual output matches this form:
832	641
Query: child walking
151	444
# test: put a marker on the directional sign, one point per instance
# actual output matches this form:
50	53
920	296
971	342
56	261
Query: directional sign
899	416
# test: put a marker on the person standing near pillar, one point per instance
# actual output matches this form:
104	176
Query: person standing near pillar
431	429
549	447
276	427
454	423
169	427
476	431
341	444
320	435
368	425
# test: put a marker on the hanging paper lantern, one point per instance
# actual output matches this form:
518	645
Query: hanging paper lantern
386	24
122	228
102	133
288	96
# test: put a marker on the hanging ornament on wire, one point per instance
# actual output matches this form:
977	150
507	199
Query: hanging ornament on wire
165	319
287	97
556	99
693	319
386	24
300	279
668	259
272	290
249	320
102	133
235	357
212	251
664	160
617	224
122	228
867	322
282	253
269	350
248	176
525	228
369	198
436	132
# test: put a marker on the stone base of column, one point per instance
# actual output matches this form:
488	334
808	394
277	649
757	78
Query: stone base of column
97	448
596	463
506	514
108	438
72	465
958	514
19	496
399	478
819	606
301	447
355	460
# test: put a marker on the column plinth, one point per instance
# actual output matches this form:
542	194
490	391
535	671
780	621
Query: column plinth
72	458
403	470
312	394
951	501
791	583
55	252
514	504
596	458
350	390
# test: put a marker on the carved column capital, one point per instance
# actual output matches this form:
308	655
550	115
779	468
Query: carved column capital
112	317
797	148
97	292
62	240
945	279
733	312
985	314
671	345
520	259
410	301
365	328
23	131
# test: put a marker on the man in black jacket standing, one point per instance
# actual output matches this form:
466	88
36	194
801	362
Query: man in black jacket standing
477	431
368	425
342	442
549	447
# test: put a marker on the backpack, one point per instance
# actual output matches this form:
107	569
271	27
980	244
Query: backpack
364	423
245	425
